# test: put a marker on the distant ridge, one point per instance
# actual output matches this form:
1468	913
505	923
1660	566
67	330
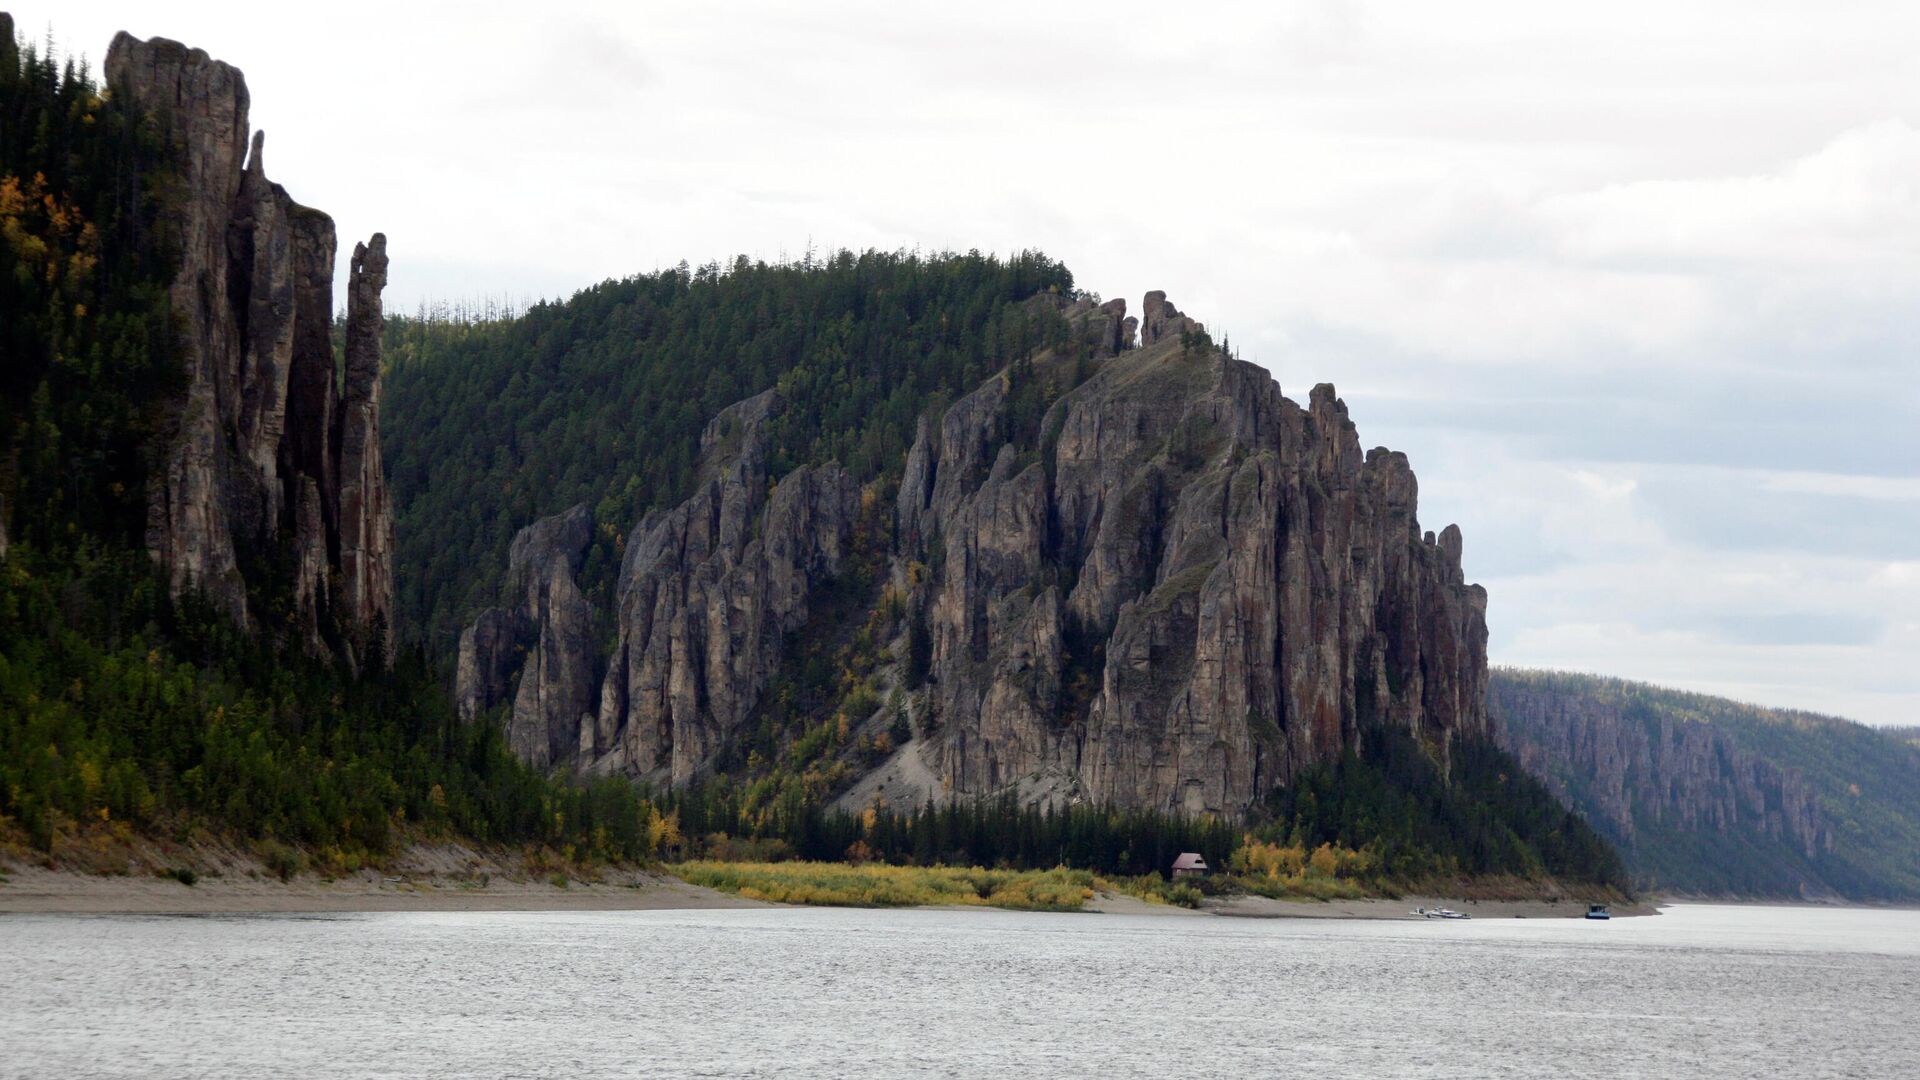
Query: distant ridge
1708	796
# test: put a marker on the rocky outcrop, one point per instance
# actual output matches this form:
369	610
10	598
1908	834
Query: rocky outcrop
1633	766
365	527
543	635
1160	320
268	451
492	649
1178	592
708	592
1236	589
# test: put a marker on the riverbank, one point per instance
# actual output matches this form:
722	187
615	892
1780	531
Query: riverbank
34	890
216	878
37	891
877	885
1259	907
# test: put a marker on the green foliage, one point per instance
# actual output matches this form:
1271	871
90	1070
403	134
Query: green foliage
1155	889
799	737
985	832
118	705
121	706
85	325
603	398
1482	816
919	658
281	861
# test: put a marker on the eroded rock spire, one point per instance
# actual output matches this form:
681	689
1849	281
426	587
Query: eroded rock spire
265	451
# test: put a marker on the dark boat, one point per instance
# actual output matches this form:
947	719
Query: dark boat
1598	911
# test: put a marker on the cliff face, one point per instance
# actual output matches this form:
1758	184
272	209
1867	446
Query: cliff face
1239	584
269	453
547	630
707	593
1175	592
1644	773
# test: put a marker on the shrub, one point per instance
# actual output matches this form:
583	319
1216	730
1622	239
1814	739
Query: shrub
280	860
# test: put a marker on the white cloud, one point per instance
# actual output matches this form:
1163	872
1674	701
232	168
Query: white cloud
1853	207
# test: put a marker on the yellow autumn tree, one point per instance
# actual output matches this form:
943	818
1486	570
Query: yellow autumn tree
663	833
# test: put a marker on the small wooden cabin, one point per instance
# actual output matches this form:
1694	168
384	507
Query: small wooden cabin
1189	864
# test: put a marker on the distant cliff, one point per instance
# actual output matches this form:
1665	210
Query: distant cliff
271	464
1125	569
1704	795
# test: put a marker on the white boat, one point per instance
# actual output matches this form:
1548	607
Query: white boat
1441	913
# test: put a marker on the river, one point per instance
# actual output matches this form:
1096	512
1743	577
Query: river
1699	991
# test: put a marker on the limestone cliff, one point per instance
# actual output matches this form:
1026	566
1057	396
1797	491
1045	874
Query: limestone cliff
270	456
1175	591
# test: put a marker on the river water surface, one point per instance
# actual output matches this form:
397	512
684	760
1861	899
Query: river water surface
1700	991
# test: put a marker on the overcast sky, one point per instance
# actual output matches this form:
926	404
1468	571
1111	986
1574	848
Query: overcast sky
1636	285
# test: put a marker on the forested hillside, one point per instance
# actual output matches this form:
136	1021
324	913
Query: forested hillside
125	712
88	336
187	463
1709	796
601	399
130	716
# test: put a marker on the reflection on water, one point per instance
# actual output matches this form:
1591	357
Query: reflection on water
1698	992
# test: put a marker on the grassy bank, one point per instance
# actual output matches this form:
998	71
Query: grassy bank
878	885
1060	889
873	884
